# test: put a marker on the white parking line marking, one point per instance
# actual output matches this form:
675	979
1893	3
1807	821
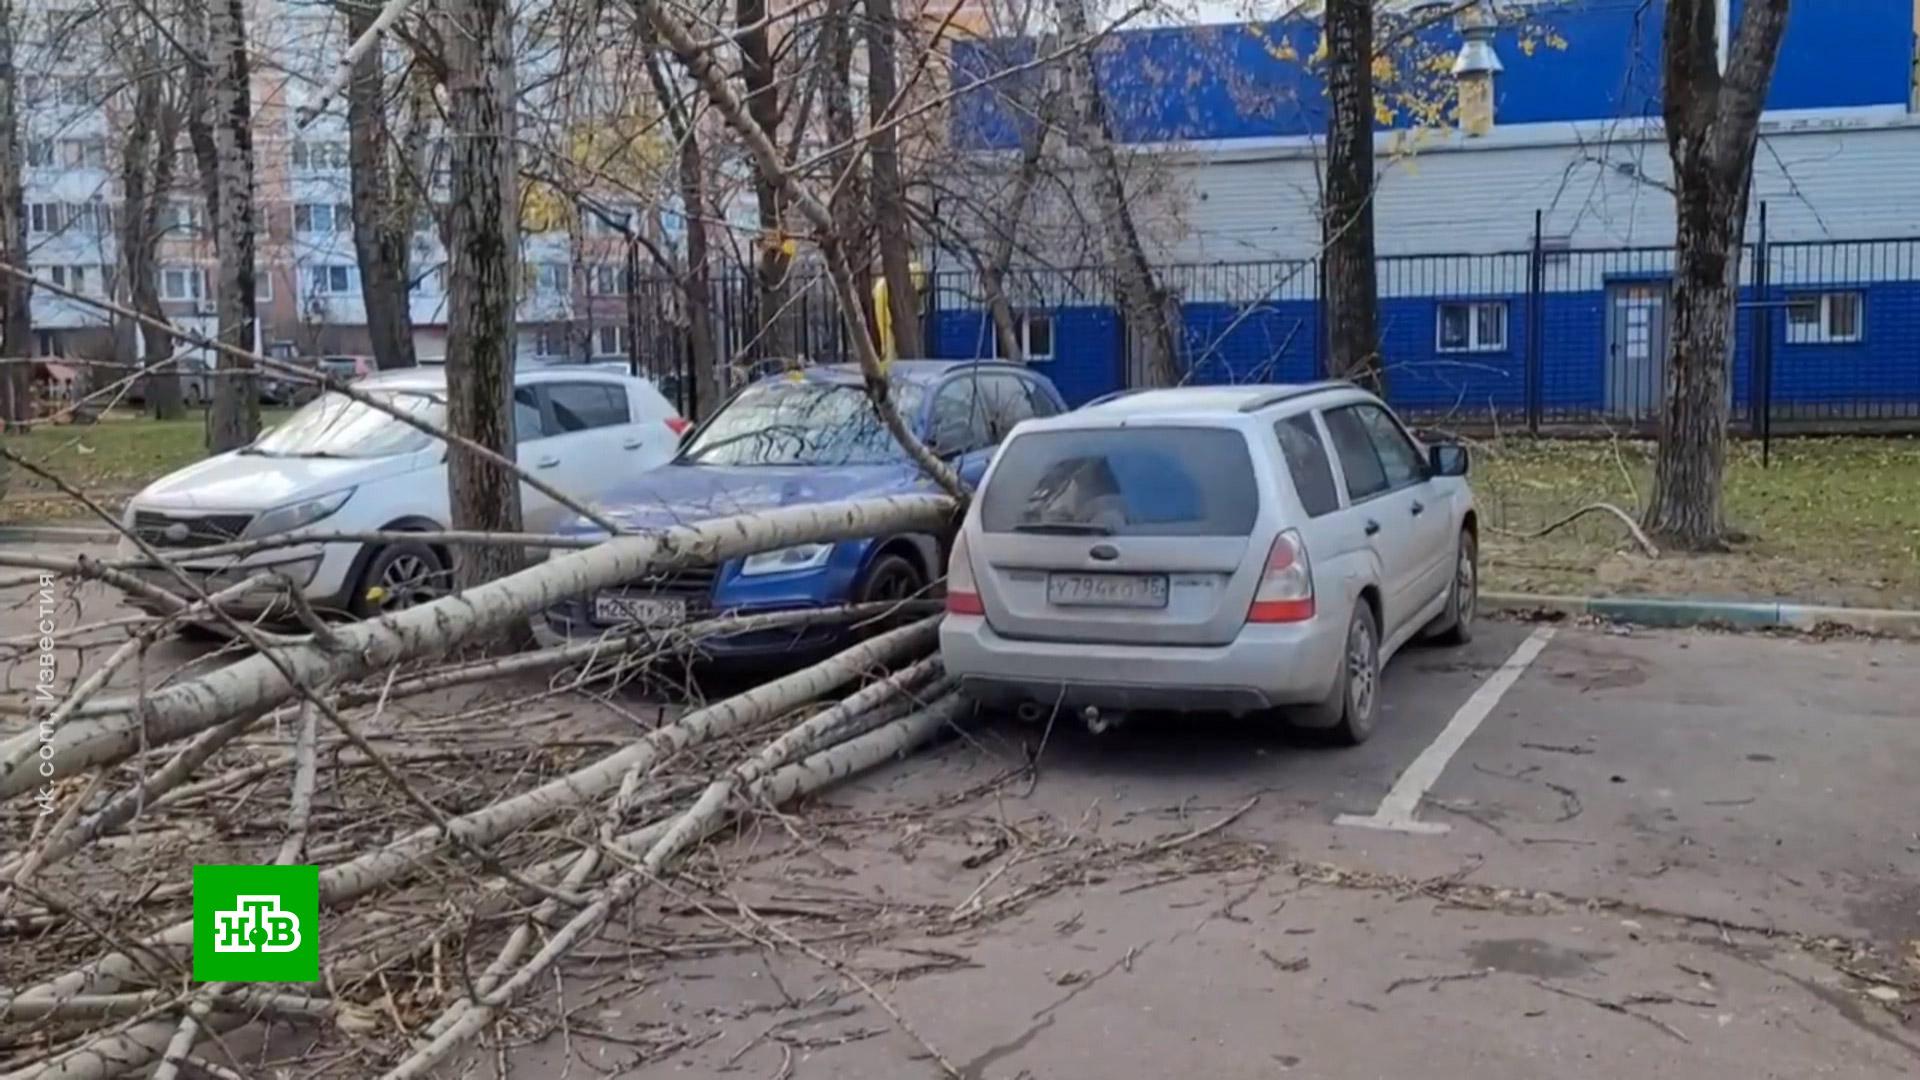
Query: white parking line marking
1397	811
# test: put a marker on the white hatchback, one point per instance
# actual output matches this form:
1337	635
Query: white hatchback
339	465
1210	548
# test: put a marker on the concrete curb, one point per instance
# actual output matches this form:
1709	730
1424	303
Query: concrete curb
1672	612
55	534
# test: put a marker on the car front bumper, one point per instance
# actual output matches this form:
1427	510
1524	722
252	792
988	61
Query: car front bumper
324	574
1264	667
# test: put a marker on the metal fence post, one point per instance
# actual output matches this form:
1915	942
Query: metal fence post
1536	325
1763	342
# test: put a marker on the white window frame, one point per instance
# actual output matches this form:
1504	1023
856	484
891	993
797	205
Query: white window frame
545	340
1475	309
193	277
262	283
607	279
1820	330
619	332
339	218
43	219
319	281
1027	319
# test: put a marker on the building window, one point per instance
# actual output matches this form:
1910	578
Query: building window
83	153
610	341
43	218
182	216
607	279
65	277
80	91
550	341
329	280
1036	337
1475	326
548	279
318	156
183	283
1825	318
262	283
322	218
40	153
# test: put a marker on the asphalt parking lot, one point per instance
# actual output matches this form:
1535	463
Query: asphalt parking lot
1657	854
1569	851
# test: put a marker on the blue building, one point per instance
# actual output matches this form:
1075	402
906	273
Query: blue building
1525	254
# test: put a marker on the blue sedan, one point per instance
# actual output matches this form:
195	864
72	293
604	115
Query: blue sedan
795	439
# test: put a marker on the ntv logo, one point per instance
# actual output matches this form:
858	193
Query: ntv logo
255	924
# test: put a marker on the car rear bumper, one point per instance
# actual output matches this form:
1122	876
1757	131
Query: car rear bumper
1266	666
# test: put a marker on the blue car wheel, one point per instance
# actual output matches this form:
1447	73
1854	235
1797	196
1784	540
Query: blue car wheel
891	577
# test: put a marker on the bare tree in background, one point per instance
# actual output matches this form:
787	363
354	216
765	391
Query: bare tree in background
888	190
1144	304
16	296
482	272
1350	289
146	178
696	275
234	420
773	260
382	217
1712	123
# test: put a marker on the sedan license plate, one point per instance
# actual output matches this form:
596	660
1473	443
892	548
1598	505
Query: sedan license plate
1107	590
643	610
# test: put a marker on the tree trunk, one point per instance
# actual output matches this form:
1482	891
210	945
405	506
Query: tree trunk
696	282
1006	226
847	197
482	271
382	223
1143	303
16	296
888	190
234	420
146	175
1351	292
773	330
1712	125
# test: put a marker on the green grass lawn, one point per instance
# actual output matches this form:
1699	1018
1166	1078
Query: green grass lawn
109	460
1833	521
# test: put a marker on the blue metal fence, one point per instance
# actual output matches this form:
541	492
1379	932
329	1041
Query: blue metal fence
1828	333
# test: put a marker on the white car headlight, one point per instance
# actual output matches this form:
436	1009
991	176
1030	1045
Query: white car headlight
296	515
798	557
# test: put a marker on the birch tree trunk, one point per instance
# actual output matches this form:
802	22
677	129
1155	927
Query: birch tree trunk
16	296
382	221
482	271
773	326
1006	226
888	190
1152	339
234	420
1712	125
1346	224
146	175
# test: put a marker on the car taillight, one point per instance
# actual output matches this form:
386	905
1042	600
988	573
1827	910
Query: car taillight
1286	586
963	595
679	424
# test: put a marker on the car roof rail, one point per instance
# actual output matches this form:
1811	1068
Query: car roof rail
1269	400
1112	395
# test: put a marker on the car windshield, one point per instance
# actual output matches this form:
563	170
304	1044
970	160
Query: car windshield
801	423
1133	481
334	425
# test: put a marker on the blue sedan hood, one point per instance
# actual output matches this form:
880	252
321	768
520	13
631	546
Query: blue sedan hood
686	494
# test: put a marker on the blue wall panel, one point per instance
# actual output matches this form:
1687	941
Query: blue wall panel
1248	80
1273	342
1086	347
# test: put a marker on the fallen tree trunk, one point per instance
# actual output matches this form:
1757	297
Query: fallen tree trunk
259	682
393	862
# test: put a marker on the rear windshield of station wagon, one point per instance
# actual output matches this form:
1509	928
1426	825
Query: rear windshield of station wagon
1139	481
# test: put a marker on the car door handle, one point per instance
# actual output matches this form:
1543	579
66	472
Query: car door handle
633	444
546	463
1418	508
1372	527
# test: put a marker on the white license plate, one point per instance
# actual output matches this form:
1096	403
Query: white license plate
643	610
1107	590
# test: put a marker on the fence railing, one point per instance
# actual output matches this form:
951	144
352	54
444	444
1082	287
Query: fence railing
1551	338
